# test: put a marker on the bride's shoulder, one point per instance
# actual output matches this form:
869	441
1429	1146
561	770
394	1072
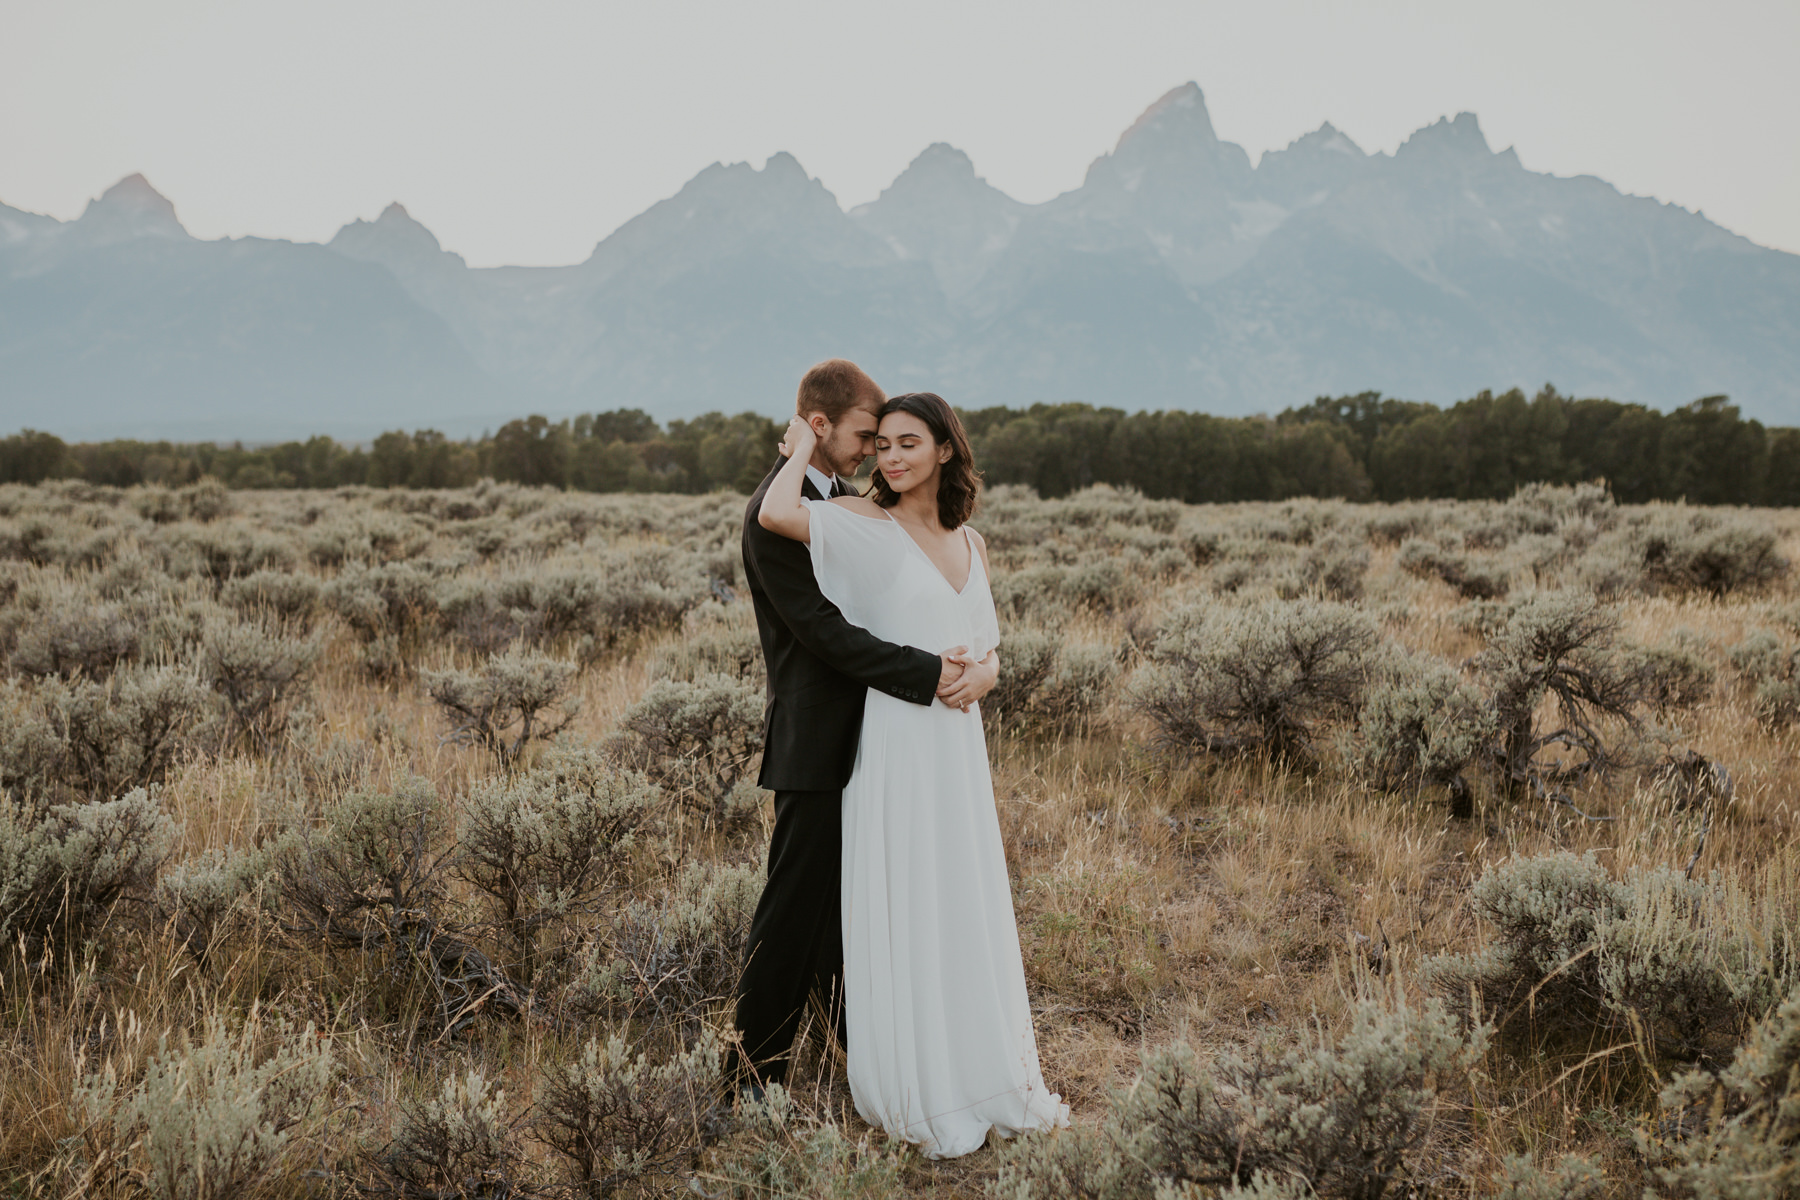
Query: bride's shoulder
980	546
862	506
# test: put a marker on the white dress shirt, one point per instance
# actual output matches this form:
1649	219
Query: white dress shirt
821	480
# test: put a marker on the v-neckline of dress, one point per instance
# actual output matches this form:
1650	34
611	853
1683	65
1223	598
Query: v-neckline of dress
967	579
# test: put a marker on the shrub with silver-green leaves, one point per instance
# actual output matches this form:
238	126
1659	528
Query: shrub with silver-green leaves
1575	1177
202	898
618	1118
1335	567
1346	1116
1422	723
291	598
1698	550
1768	667
1026	660
1674	673
388	608
1734	1134
1429	560
665	961
124	732
376	862
1558	644
793	1156
542	846
1263	674
716	639
224	551
213	1117
1077	689
455	1145
374	879
513	699
696	739
77	637
62	871
1682	961
259	674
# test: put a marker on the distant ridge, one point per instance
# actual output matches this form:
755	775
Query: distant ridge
1178	275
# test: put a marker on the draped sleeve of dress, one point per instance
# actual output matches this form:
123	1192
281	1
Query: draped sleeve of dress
941	1042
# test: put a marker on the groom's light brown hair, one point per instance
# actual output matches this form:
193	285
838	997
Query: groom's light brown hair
836	386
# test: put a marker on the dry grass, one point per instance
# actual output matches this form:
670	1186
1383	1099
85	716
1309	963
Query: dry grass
1216	900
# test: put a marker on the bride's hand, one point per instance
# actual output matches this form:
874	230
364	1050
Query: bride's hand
799	438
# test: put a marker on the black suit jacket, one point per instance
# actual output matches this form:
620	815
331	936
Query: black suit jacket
820	665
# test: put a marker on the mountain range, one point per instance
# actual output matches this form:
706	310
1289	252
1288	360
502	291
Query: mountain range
1178	275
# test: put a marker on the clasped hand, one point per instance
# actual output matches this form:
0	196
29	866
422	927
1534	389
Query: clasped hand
964	680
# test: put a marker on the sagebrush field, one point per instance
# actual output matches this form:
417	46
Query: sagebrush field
397	843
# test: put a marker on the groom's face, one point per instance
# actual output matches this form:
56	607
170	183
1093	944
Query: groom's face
850	440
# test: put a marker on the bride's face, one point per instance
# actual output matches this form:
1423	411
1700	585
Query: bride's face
905	452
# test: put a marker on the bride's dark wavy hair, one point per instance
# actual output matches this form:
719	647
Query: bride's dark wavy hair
959	483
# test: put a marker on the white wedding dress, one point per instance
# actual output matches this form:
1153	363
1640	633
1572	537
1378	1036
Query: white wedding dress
941	1045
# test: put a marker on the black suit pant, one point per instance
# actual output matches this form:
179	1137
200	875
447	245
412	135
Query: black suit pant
796	953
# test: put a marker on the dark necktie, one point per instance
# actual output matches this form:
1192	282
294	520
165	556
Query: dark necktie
840	488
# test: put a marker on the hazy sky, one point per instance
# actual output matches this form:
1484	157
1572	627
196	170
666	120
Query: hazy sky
524	132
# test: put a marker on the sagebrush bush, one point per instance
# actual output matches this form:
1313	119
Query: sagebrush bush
454	1145
63	870
1335	566
1697	550
1260	674
224	551
288	597
1734	1134
377	858
1575	1177
542	846
1429	560
388	608
1027	660
696	740
1078	688
1421	724
1683	962
259	674
76	638
1558	644
514	699
793	1156
1674	673
1345	1116
617	1118
202	898
213	1117
125	732
374	879
716	639
664	962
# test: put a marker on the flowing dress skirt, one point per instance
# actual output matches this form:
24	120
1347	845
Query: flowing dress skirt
941	1043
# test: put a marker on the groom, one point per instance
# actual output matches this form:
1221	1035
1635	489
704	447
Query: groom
820	669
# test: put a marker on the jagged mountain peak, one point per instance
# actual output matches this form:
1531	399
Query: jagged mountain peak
1327	139
396	223
1458	136
1179	111
939	173
131	208
395	239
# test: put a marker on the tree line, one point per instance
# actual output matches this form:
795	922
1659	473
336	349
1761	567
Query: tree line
1362	447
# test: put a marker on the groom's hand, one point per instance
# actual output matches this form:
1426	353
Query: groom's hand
952	664
977	681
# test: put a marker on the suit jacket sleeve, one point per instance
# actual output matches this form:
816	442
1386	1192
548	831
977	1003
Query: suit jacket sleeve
784	568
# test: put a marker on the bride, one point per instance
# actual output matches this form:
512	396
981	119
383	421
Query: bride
941	1048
